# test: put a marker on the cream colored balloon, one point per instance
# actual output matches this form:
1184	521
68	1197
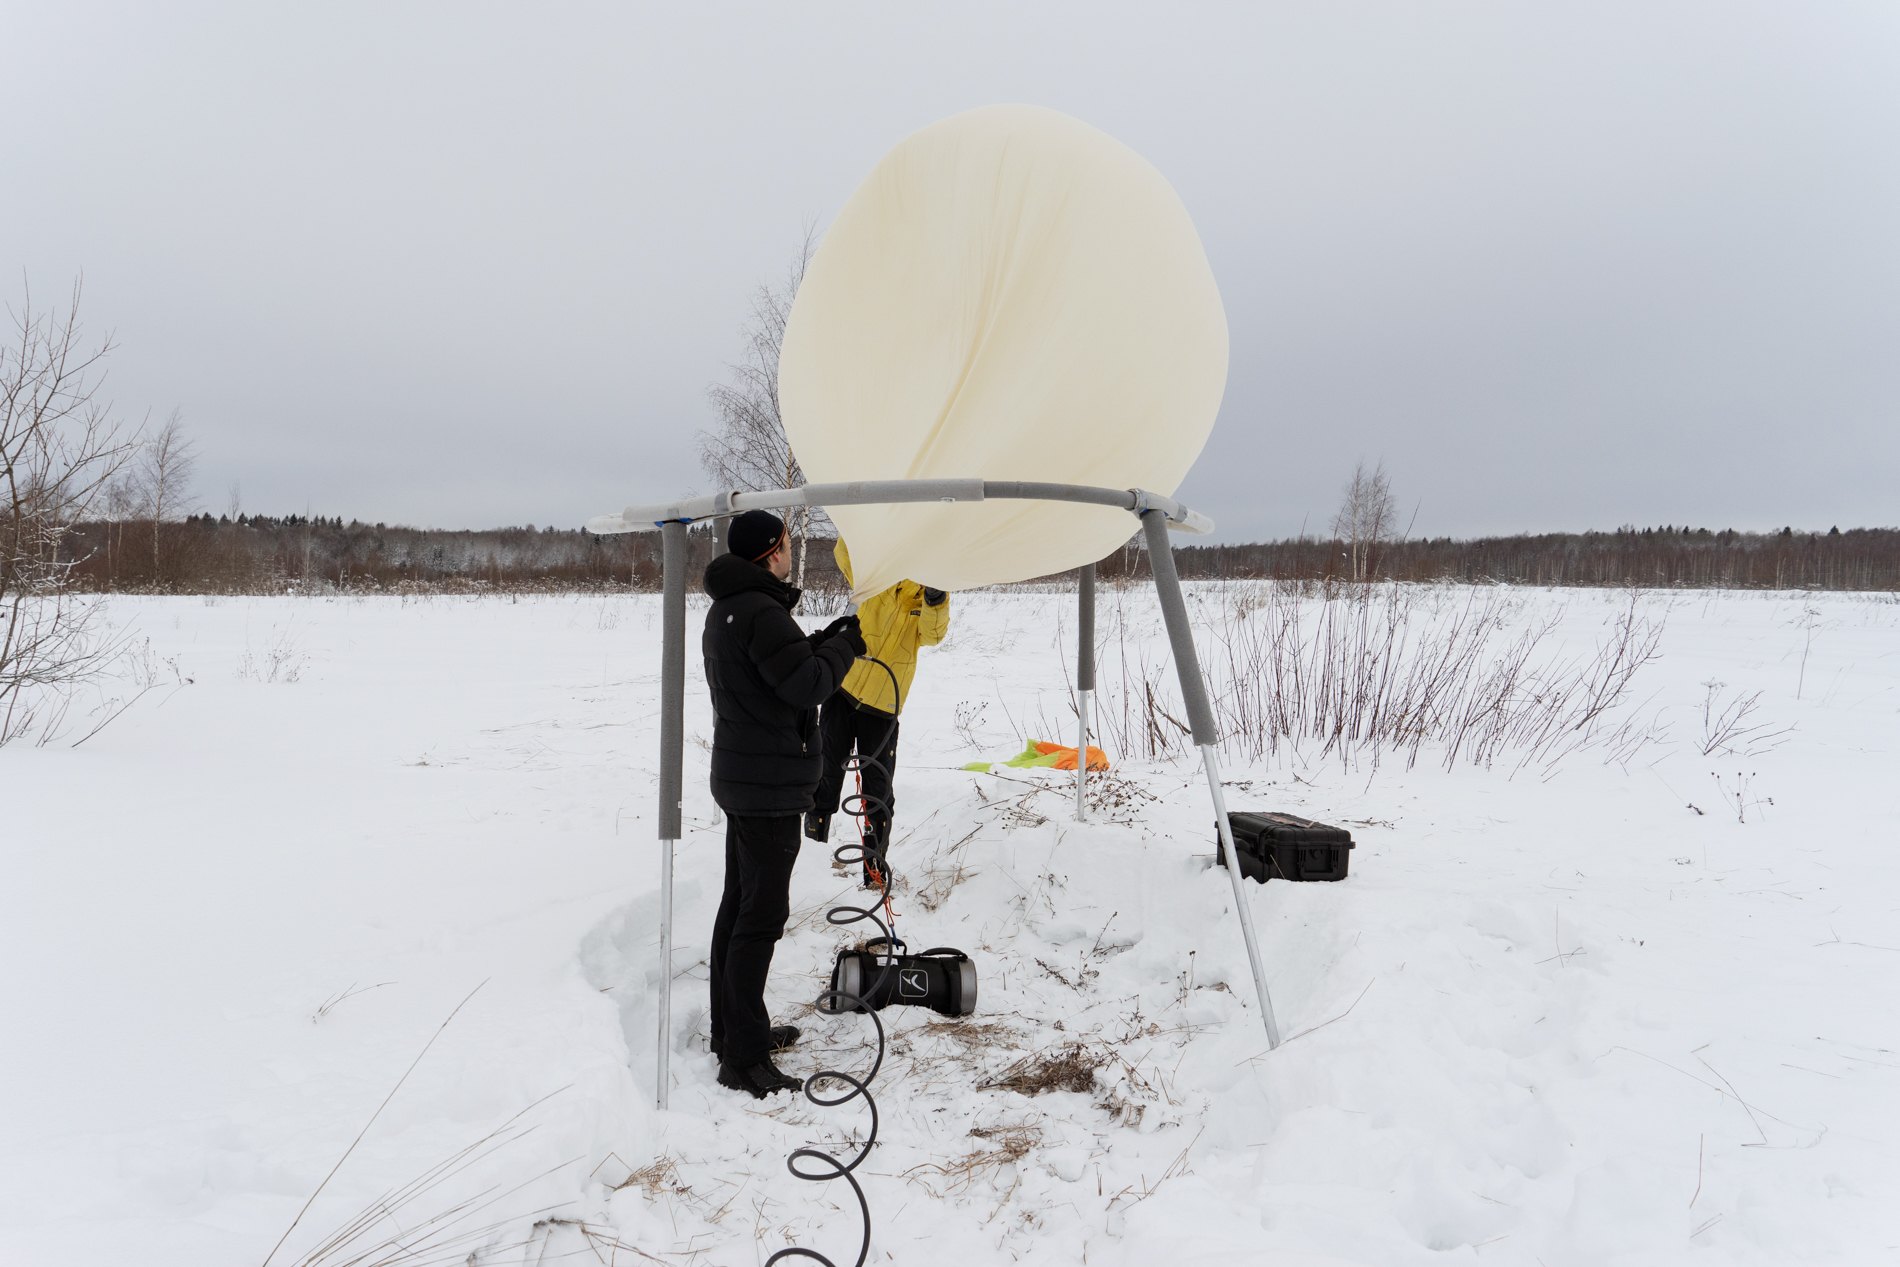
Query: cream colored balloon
1010	295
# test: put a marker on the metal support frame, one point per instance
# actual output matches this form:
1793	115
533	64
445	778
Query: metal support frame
1084	681
886	492
1187	666
672	752
1158	515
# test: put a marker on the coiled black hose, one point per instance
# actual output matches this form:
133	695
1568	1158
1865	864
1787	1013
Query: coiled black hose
870	811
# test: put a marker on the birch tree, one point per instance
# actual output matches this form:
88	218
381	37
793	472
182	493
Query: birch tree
1365	518
161	484
746	449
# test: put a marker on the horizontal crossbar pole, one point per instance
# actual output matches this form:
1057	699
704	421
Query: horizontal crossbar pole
888	492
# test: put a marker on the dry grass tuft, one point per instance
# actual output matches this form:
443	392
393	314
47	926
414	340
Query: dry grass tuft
973	1035
1006	1145
947	869
1016	1141
1072	1068
662	1176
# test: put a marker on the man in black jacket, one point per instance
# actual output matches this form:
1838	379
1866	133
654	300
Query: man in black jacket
767	678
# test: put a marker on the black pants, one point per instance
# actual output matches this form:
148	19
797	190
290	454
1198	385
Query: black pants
752	912
844	726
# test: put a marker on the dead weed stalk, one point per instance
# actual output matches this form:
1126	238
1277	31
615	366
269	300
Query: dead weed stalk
1362	673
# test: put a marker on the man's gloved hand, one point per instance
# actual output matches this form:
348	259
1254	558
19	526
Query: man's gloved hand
934	598
819	637
846	627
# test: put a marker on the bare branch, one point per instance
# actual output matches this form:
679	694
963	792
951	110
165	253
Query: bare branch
748	448
60	451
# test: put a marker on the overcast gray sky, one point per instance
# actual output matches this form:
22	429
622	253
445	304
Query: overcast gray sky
460	265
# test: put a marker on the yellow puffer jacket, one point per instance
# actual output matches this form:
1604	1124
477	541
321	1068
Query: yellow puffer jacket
895	622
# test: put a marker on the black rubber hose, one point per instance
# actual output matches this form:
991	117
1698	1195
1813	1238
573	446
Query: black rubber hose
869	810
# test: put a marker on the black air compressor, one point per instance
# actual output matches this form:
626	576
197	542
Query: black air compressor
883	974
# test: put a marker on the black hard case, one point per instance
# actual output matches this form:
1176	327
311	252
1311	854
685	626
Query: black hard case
1286	847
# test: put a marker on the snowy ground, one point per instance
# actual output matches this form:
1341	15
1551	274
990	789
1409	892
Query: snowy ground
1564	1020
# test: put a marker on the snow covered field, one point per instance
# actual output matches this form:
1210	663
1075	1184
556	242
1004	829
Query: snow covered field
1554	1017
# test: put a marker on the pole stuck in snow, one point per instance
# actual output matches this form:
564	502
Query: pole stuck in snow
1187	666
672	746
1084	681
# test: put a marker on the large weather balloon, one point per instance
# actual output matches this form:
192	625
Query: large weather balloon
1010	295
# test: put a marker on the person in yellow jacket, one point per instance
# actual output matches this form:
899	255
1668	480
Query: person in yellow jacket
863	714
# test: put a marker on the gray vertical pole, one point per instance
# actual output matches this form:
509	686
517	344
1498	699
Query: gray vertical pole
1084	680
1187	665
672	746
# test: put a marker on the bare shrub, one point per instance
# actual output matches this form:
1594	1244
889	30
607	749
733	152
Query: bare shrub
1112	797
1809	623
969	717
59	451
281	661
1726	725
1358	673
1739	795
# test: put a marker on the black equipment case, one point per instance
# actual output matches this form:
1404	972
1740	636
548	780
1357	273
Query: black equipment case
1286	847
941	979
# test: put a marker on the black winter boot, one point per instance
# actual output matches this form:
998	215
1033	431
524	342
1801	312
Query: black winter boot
781	1038
757	1081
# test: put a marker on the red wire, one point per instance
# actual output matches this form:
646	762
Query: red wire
890	915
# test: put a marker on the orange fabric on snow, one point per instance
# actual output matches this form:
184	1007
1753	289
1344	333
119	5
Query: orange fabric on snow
1065	755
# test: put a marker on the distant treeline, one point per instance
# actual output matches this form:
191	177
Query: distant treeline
1857	559
267	554
264	554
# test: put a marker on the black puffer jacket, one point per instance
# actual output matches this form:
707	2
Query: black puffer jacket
767	679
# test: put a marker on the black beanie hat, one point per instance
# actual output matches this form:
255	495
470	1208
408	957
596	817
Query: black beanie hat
754	534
